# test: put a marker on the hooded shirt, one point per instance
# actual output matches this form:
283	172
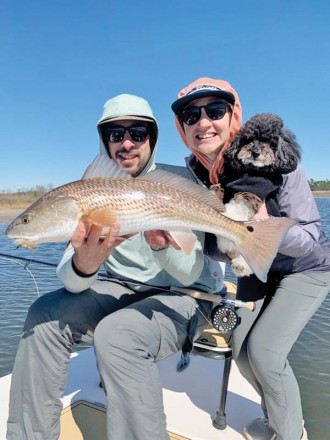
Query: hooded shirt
129	107
133	261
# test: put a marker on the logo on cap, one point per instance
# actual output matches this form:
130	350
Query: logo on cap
204	87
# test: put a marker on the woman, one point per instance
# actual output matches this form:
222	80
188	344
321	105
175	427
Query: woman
208	115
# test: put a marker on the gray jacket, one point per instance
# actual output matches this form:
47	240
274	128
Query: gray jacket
305	246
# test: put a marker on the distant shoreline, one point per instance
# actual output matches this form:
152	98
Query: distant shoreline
8	214
321	193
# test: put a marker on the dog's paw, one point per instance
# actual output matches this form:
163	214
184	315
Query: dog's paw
238	210
240	267
225	245
250	201
218	190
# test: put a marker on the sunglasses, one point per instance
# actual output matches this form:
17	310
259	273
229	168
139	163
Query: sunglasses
138	133
214	110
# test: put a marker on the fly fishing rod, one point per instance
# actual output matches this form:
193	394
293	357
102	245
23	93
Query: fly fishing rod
28	260
223	316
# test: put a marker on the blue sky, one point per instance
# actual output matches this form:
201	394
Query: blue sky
62	59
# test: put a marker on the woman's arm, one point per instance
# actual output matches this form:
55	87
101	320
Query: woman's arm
296	200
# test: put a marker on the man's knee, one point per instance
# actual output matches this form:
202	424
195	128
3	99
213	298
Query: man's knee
47	308
126	330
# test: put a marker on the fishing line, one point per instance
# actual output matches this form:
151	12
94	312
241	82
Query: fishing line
13	258
18	283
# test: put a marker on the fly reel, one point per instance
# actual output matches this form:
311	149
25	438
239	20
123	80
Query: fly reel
223	316
224	319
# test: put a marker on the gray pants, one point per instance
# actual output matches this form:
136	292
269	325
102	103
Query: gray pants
264	338
130	332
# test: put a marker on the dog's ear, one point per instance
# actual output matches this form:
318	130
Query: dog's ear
288	152
230	155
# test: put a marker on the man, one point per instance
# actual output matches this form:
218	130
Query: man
132	322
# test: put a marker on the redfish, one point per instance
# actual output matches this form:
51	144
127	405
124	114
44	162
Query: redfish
157	200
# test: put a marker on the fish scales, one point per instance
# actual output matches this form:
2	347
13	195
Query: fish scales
143	203
156	206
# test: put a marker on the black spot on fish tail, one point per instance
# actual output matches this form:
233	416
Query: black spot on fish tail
260	246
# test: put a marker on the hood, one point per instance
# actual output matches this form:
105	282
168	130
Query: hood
215	168
132	107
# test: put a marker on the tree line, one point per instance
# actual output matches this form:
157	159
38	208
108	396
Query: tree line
23	197
319	185
39	190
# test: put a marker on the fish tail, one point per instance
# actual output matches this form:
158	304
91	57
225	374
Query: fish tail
260	246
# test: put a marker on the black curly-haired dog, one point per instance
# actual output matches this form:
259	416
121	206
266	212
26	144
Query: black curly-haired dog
261	152
263	145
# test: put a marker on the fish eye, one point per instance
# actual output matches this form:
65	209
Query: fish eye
25	220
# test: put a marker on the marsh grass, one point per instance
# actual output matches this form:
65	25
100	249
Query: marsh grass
21	199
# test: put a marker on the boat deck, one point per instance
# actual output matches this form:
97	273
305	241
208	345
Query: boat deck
191	399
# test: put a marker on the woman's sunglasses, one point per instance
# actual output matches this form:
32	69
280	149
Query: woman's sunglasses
138	133
214	110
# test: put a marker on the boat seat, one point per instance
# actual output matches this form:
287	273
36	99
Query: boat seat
213	344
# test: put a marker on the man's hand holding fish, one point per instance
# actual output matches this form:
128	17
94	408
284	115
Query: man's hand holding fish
91	248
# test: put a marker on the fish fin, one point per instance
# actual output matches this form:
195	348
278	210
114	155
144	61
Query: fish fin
103	166
185	240
102	217
183	184
260	246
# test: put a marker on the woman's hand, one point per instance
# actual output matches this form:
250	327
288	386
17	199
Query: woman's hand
92	249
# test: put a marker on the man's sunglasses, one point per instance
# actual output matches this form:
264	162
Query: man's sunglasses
214	110
138	133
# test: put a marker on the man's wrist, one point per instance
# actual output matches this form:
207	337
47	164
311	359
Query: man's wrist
157	249
79	273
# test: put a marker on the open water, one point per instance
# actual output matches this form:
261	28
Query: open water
22	282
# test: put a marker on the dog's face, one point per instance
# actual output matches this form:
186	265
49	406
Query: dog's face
263	145
256	154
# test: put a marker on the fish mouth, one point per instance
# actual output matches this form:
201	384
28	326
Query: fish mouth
24	243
